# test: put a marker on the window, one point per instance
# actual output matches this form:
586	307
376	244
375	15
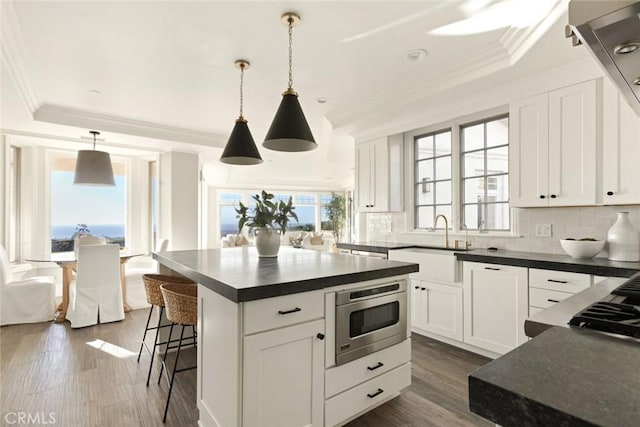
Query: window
432	177
484	161
476	196
309	208
228	221
100	211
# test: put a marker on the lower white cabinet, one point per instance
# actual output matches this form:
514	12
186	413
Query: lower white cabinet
282	369
437	308
495	306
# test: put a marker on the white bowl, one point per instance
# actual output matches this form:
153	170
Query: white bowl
582	248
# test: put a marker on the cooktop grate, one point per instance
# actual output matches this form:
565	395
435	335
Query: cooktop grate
611	317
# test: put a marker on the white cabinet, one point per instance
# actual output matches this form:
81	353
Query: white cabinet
495	306
283	381
379	175
437	308
621	149
553	140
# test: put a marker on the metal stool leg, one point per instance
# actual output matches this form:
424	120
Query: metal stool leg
175	367
146	328
155	344
166	351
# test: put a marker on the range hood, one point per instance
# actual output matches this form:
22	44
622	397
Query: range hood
611	31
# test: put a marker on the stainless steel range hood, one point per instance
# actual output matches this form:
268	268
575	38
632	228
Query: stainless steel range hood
611	31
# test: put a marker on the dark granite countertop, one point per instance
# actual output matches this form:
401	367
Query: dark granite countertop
565	376
379	247
596	266
385	247
240	275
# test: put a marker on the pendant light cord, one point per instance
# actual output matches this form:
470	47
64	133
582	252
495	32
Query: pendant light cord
290	20
241	89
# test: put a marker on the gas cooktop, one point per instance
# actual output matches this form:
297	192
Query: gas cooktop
619	314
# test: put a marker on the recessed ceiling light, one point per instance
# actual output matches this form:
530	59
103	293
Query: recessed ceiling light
95	91
415	55
322	100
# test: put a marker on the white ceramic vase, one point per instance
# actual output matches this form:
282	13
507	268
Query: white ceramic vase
267	242
624	240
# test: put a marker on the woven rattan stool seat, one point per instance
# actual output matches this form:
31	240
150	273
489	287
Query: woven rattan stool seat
152	283
181	303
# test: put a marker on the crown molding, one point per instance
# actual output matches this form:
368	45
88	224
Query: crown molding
85	119
503	53
11	50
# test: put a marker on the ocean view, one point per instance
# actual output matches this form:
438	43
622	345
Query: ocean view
100	230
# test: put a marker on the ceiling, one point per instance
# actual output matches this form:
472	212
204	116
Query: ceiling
157	76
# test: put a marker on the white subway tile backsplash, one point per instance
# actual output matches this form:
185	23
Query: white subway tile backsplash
576	222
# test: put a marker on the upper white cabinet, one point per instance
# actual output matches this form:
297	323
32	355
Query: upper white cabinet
379	175
553	140
621	149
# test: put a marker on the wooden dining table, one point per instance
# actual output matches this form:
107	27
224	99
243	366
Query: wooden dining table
68	263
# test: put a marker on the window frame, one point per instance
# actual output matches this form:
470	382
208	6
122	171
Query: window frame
455	222
486	176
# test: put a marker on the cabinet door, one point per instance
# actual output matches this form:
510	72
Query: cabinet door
363	176
529	152
443	308
283	383
418	304
621	149
495	306
572	145
380	177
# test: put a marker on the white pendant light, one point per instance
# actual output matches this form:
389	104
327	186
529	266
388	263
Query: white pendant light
241	148
289	130
93	167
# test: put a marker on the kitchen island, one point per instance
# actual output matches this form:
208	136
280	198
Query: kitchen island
267	334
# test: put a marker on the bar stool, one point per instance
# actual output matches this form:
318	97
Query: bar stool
181	302
152	284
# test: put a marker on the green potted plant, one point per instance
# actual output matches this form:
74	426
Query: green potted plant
270	218
336	212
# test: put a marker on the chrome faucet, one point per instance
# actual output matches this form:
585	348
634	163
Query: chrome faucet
446	228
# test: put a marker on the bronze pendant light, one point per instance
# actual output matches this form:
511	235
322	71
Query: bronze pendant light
93	167
241	148
289	130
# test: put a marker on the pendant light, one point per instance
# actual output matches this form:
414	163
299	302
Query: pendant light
93	167
241	148
289	130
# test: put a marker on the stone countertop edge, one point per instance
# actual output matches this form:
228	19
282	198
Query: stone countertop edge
240	294
559	378
595	266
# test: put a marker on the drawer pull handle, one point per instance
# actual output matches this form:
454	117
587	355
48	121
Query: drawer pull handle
556	281
373	368
372	395
492	268
417	287
423	289
293	310
552	300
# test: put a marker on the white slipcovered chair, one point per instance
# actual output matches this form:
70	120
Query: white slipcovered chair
24	301
87	239
96	296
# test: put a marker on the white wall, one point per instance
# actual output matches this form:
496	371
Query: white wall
4	191
179	192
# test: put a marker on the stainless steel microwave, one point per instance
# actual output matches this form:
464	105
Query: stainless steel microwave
369	319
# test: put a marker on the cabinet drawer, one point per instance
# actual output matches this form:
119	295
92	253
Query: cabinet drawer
271	313
350	374
354	401
544	298
558	280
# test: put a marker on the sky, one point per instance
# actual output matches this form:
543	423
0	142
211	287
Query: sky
79	204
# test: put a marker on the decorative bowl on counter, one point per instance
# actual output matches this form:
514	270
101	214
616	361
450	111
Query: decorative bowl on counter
582	248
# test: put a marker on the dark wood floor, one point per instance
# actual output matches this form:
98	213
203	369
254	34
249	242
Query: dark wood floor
49	369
